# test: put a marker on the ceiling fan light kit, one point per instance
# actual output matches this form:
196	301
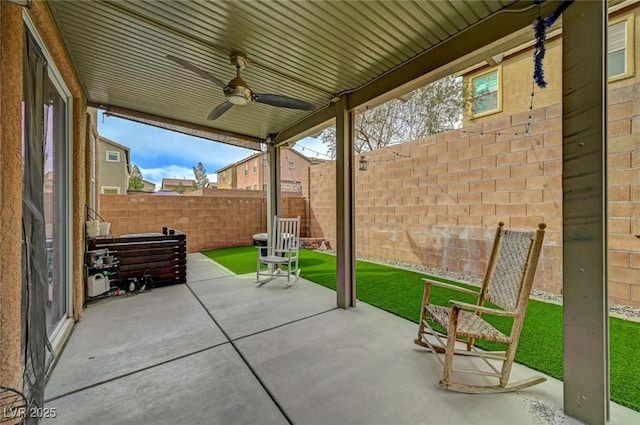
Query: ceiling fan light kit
237	91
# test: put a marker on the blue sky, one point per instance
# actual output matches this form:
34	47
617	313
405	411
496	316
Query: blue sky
161	153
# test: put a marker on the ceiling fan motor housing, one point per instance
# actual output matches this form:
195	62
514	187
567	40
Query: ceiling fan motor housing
238	92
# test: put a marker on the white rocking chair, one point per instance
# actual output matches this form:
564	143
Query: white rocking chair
281	252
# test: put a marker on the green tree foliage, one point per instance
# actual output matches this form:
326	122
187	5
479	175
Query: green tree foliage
180	188
200	174
432	109
135	179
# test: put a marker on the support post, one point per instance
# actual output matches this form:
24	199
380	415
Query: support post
584	182
274	192
345	206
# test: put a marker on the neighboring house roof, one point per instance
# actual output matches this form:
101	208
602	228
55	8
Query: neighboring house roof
177	182
147	182
116	144
249	158
312	161
167	192
126	150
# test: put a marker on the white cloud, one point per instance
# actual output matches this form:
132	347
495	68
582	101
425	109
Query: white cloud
156	175
152	146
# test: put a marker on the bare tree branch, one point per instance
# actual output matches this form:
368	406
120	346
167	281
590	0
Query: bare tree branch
431	109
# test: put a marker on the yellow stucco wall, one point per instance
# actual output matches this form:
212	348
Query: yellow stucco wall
517	78
517	74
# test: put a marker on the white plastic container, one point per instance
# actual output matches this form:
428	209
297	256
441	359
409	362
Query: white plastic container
93	228
98	284
105	228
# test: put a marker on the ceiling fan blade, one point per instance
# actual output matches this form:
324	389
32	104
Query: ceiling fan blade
200	72
283	101
219	110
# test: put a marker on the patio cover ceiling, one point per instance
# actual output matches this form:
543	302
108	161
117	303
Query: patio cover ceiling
316	51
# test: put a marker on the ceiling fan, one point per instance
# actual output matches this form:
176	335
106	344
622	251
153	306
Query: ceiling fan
237	91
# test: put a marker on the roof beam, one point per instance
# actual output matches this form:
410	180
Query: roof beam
410	74
314	123
196	130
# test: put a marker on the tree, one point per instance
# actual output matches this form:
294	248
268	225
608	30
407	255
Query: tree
135	179
180	188
201	175
434	108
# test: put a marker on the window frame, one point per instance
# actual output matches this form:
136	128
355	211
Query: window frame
102	190
112	160
629	20
292	165
498	108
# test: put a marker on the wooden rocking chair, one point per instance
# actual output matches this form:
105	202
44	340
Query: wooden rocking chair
282	251
507	284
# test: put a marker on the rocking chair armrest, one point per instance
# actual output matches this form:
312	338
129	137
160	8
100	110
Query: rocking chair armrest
482	309
450	286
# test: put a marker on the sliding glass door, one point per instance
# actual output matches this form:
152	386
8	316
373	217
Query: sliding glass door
55	201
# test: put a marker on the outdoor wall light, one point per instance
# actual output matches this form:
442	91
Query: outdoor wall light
364	164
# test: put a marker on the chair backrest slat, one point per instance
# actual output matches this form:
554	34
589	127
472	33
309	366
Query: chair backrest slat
286	234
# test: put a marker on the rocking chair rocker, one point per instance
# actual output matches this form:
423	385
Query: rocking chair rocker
507	284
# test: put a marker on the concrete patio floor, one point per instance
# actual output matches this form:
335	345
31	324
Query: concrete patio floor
221	350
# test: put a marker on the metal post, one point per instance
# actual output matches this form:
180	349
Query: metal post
274	193
345	206
584	182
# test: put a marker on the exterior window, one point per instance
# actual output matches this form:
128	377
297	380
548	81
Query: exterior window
292	165
265	161
255	167
110	190
246	169
255	187
264	187
113	156
486	92
620	48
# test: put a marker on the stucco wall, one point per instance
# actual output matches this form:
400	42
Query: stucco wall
11	45
11	84
112	174
517	72
214	221
440	205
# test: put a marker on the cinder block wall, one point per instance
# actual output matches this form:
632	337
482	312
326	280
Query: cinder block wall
220	219
437	201
624	195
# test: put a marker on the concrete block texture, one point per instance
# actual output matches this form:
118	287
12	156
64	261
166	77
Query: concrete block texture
219	219
476	176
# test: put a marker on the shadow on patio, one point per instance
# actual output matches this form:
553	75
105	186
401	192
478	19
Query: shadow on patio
221	350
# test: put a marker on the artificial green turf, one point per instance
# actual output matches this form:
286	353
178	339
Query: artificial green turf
400	292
